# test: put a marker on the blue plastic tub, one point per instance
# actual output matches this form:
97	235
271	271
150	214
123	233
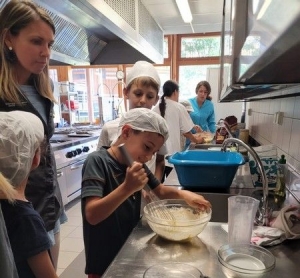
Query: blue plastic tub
206	169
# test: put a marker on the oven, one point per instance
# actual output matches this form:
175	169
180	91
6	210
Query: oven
70	155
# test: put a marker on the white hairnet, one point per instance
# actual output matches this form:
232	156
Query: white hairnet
187	105
143	68
144	119
21	135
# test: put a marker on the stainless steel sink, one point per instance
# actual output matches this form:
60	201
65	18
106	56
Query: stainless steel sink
204	146
219	202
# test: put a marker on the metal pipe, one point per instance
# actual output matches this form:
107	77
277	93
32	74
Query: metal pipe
264	213
222	123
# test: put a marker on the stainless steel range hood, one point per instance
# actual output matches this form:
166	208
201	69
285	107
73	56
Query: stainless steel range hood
90	32
260	49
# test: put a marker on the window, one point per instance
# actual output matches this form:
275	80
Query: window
166	48
164	75
99	92
53	74
190	75
196	47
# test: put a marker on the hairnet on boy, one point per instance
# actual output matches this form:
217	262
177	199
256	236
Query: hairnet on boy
144	119
142	69
21	135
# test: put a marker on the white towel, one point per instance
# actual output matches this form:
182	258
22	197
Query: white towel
288	220
264	236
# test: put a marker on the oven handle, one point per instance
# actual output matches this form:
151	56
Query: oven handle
77	165
59	174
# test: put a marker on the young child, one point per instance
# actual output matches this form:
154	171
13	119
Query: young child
111	191
7	262
142	89
21	136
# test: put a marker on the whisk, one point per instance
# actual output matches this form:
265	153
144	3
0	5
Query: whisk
157	210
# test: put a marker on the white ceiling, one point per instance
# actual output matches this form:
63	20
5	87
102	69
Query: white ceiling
207	16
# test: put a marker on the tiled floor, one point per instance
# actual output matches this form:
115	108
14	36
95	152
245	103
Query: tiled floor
71	245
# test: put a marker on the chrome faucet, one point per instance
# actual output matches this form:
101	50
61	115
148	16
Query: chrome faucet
222	123
263	218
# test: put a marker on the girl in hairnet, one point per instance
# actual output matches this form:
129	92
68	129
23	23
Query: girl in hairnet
7	262
22	134
111	191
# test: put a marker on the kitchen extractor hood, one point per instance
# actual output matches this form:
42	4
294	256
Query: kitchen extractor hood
260	49
90	32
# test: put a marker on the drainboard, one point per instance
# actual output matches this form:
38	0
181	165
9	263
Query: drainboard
55	141
219	202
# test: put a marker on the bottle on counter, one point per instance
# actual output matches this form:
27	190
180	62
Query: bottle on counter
281	176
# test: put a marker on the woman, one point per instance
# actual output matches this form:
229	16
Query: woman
27	34
177	118
204	113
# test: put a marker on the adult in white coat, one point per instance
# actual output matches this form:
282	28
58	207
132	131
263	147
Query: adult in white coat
178	120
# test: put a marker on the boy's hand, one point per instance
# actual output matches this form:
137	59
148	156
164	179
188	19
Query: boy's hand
197	201
136	177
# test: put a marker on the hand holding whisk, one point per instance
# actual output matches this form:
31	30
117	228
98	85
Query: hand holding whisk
161	211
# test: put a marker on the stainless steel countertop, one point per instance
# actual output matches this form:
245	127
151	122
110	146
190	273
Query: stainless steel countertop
144	248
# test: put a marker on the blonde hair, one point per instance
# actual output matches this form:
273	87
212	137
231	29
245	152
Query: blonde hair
143	81
15	16
7	191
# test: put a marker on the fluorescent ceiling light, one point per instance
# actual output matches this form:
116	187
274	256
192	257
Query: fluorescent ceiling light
185	11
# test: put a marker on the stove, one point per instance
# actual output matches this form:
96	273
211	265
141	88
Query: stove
67	153
77	129
70	154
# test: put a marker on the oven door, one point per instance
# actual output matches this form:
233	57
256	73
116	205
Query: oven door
74	176
62	181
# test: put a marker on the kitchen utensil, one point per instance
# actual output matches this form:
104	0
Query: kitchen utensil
245	260
160	211
172	269
187	221
241	214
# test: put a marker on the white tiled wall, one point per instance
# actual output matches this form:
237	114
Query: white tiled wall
285	136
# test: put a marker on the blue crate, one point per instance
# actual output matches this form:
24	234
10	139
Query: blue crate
206	169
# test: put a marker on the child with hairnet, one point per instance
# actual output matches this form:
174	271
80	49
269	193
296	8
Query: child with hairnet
142	87
111	191
7	262
22	134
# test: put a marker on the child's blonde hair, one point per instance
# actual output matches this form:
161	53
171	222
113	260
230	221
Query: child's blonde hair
7	191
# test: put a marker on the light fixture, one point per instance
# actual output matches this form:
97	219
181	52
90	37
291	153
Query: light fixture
185	11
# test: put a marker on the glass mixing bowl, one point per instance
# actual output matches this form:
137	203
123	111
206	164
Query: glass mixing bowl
245	260
172	269
175	220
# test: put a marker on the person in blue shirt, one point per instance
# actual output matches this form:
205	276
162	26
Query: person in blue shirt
204	113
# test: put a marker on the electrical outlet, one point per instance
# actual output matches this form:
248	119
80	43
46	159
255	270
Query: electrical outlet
280	118
249	112
275	118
